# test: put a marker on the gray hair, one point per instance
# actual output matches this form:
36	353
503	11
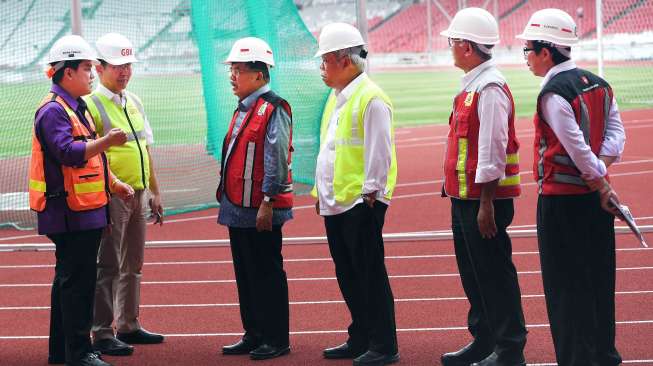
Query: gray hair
355	55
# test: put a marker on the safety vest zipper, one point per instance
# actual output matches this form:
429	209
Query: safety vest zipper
138	144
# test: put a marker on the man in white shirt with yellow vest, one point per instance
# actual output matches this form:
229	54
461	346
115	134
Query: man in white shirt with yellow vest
578	134
481	171
120	258
354	180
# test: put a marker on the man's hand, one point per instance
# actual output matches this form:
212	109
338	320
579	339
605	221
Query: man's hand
605	193
123	190
485	219
264	217
116	137
317	207
369	198
156	207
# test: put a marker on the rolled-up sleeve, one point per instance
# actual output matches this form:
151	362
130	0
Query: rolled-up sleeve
275	153
55	133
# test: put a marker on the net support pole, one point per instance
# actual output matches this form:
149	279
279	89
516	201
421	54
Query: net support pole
76	16
361	21
599	36
429	31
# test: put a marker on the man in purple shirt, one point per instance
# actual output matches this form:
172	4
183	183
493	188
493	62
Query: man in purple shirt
75	233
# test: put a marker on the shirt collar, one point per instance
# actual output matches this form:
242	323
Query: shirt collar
72	102
250	99
473	73
347	91
555	70
116	98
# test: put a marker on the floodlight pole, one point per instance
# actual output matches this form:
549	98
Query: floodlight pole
361	21
599	35
76	16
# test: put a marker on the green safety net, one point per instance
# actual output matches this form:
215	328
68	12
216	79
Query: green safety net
180	79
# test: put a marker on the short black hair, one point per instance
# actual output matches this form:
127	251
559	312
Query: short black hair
260	67
556	56
73	64
484	56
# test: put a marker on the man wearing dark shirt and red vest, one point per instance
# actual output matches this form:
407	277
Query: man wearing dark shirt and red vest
256	198
69	185
481	171
578	134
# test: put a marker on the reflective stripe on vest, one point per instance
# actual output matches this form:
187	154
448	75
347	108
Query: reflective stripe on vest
85	187
349	167
130	161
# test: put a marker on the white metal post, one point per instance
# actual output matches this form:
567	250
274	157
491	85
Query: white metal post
361	21
599	35
76	16
429	31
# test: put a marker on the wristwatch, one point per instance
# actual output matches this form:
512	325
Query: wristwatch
268	199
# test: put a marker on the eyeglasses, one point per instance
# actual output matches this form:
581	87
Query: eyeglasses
527	50
123	67
237	71
451	41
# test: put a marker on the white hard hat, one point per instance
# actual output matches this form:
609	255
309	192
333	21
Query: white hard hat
250	49
473	24
69	48
115	49
338	36
551	25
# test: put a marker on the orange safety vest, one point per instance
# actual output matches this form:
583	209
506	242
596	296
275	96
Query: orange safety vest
85	186
590	98
242	171
462	149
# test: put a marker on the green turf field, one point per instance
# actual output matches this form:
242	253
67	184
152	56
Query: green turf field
175	105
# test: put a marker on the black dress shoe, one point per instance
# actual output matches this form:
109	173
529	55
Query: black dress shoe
495	360
112	347
265	351
373	358
140	336
242	347
90	359
467	355
344	350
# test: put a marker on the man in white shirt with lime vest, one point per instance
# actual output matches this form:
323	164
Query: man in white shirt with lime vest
120	258
354	180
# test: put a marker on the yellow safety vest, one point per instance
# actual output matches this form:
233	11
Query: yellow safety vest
349	167
129	162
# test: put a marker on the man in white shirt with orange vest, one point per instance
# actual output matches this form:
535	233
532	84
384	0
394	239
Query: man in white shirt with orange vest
578	134
256	198
481	170
354	180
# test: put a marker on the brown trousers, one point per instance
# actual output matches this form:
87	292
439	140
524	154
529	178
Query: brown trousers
120	261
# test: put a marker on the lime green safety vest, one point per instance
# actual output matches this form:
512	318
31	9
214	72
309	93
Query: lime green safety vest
349	169
129	162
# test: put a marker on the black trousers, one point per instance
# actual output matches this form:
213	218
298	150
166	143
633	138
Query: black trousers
262	284
489	278
73	293
356	245
577	253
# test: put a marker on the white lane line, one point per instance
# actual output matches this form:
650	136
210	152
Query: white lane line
213	217
318	302
336	331
323	259
304	279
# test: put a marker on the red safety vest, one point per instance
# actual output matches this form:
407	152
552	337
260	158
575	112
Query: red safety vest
590	98
242	170
461	157
86	186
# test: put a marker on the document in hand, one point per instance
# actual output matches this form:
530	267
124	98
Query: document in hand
628	217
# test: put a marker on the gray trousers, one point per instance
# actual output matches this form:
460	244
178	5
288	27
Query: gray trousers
120	261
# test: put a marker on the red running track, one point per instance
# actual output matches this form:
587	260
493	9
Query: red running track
189	293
